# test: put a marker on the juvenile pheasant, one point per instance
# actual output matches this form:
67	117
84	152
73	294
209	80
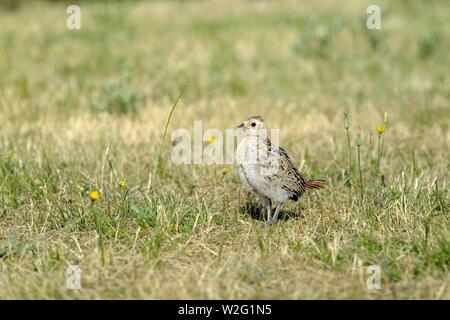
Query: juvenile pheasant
267	171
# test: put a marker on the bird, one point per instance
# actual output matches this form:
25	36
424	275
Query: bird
266	169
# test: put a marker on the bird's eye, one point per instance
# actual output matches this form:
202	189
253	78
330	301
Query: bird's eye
253	124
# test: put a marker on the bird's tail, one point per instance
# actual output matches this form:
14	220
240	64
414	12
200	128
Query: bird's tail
315	184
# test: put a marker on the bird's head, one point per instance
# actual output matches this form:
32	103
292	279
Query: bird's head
252	125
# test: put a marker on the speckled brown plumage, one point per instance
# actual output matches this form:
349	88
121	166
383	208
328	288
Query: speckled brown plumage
267	171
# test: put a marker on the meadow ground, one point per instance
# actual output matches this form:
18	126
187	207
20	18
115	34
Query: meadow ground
184	232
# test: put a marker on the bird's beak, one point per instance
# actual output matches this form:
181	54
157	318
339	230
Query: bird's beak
240	126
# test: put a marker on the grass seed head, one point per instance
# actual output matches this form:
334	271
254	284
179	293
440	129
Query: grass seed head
346	125
358	137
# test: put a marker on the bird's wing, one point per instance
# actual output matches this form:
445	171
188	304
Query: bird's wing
286	174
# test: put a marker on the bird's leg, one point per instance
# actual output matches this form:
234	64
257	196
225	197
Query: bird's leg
268	205
277	212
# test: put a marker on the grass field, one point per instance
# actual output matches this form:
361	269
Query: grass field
185	231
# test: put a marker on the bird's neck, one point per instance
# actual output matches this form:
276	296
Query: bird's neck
257	140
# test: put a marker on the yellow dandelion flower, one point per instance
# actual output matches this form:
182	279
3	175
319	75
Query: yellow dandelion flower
380	129
224	171
211	139
122	184
94	196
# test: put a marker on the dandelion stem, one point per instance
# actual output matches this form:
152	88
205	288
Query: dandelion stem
99	234
358	145
349	153
381	132
360	172
347	126
378	154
